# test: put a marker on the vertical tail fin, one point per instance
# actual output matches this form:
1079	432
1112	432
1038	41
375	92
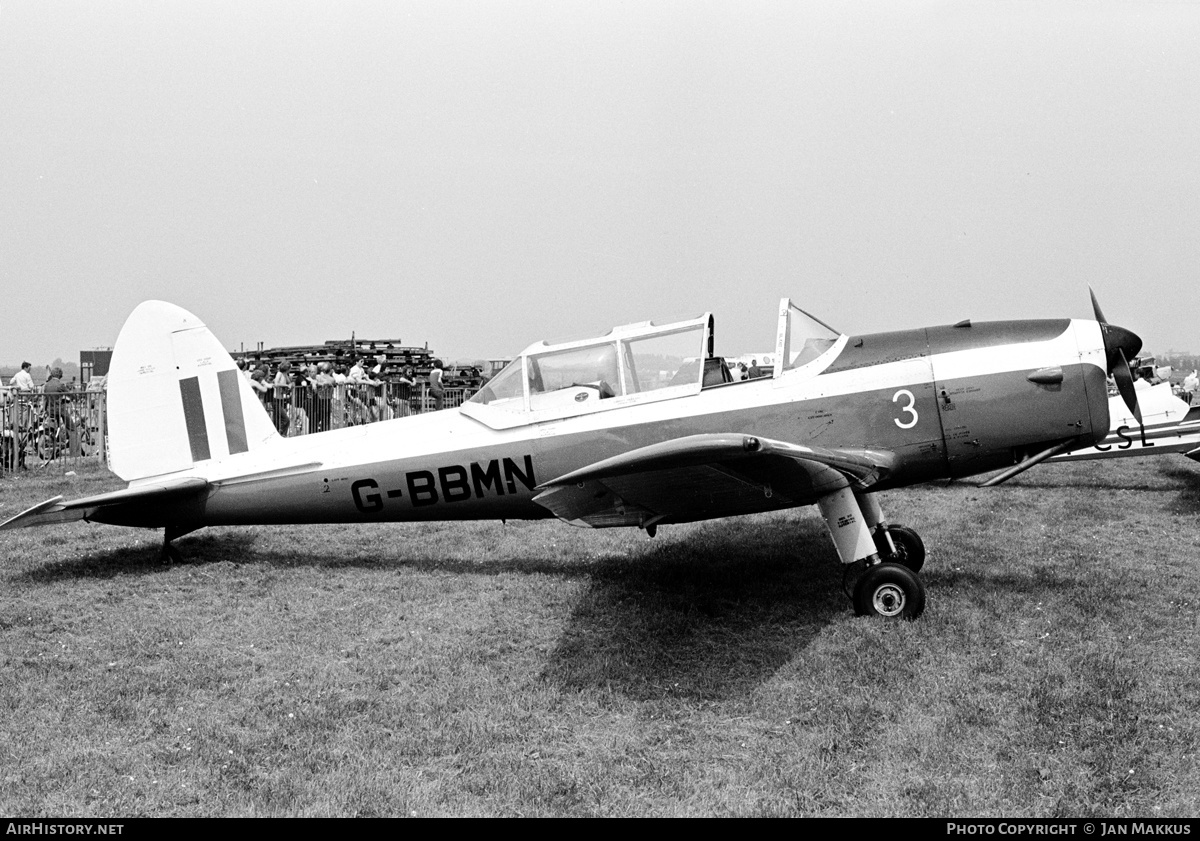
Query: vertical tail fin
176	398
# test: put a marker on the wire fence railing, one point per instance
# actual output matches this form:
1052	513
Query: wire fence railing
43	431
63	431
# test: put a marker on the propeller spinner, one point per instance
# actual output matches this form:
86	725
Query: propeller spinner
1120	345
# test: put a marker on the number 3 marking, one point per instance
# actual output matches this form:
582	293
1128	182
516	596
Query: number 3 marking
912	401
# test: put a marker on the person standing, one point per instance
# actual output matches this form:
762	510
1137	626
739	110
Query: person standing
56	400
357	392
301	402
403	393
54	389
258	383
12	449
282	397
437	389
372	388
324	384
22	380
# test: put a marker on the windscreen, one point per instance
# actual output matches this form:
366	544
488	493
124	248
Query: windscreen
505	386
803	338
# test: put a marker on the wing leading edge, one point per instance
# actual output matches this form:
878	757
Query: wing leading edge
699	477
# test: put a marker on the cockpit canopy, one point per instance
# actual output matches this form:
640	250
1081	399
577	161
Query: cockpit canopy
634	359
636	363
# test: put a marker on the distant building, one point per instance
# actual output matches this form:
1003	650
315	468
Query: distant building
495	366
94	363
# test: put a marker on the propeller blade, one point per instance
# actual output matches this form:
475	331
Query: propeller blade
1124	378
1096	307
1119	345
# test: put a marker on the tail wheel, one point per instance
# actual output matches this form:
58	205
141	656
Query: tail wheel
910	549
890	590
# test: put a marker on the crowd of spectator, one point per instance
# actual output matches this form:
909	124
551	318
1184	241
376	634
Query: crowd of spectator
299	398
323	395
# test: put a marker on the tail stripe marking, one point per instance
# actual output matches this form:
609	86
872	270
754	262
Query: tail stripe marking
231	407
193	413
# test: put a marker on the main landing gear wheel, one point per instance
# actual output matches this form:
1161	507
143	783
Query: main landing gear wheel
890	590
910	549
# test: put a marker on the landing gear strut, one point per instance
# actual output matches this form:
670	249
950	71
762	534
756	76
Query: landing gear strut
909	548
892	555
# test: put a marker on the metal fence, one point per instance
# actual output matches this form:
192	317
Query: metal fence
61	431
47	431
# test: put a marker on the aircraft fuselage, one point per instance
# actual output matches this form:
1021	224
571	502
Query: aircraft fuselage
948	402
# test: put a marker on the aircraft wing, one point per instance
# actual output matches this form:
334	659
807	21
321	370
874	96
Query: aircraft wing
55	510
703	476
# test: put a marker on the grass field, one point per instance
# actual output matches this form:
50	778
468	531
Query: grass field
539	669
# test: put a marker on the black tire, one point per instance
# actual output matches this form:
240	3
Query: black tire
890	590
910	549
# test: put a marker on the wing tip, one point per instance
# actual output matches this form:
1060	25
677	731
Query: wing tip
18	521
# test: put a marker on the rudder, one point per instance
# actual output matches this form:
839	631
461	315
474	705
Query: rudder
176	398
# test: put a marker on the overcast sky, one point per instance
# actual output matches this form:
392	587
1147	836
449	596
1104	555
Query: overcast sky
482	175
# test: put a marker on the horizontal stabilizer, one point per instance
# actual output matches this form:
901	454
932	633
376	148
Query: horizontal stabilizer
54	511
43	512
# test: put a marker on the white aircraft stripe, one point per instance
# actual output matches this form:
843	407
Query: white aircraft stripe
424	435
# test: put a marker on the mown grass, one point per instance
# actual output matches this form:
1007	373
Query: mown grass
537	669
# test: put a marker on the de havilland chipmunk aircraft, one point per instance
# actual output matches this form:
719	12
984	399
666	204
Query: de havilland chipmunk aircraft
640	427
